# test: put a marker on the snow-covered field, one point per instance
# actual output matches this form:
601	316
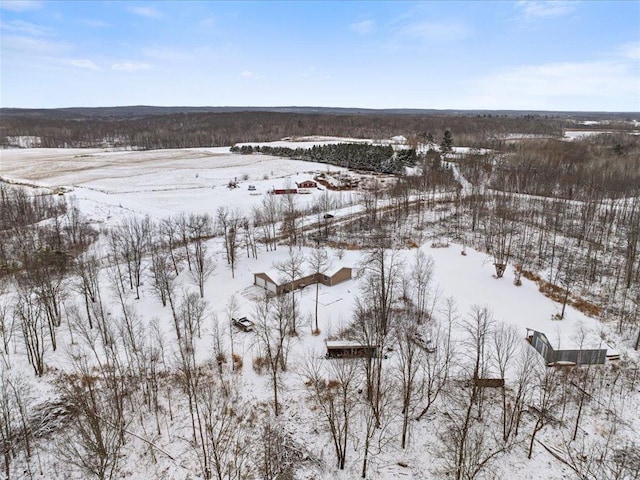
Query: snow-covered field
111	185
159	183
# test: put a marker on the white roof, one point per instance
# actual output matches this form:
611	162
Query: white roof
344	344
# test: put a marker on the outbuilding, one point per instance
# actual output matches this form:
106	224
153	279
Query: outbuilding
564	357
350	349
265	281
307	184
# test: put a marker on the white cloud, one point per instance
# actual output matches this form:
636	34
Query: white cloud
93	23
147	12
84	63
30	46
596	85
250	74
21	27
630	50
207	22
363	27
545	9
168	54
20	5
435	31
130	66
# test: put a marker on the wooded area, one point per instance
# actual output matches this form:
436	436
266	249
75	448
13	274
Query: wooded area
565	214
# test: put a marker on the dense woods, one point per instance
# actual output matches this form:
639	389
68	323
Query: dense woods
180	130
358	156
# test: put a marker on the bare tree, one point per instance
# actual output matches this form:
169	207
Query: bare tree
505	341
335	394
544	399
230	224
267	216
16	434
420	281
7	329
468	448
30	316
224	430
409	349
44	277
500	231
168	233
130	241
319	263
291	270
233	307
272	326
290	214
516	405
164	274
437	362
87	274
203	264
97	391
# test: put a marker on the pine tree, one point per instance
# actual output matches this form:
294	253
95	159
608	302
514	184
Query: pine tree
447	142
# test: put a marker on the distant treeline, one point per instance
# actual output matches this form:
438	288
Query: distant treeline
376	158
182	130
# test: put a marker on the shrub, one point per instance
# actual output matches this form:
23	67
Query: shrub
237	362
259	364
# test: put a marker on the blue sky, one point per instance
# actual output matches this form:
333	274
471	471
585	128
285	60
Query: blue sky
543	55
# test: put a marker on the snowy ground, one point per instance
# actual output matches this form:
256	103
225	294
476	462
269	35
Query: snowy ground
109	185
112	184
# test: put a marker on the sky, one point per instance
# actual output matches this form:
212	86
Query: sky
522	55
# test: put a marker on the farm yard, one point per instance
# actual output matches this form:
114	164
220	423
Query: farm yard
443	284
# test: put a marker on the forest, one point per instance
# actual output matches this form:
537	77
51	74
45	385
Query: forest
59	128
375	158
94	386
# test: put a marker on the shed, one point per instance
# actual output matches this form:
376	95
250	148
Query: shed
579	356
350	349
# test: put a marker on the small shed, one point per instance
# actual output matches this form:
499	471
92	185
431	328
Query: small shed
350	349
552	357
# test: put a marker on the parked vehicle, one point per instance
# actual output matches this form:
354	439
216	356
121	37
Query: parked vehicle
243	324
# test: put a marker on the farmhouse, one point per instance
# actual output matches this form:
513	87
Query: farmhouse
350	349
307	184
553	357
263	280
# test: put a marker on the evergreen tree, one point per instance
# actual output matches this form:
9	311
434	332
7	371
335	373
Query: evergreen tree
447	142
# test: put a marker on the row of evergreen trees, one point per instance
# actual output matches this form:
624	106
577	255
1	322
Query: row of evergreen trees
376	158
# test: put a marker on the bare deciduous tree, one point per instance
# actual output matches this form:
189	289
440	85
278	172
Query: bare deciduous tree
272	326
